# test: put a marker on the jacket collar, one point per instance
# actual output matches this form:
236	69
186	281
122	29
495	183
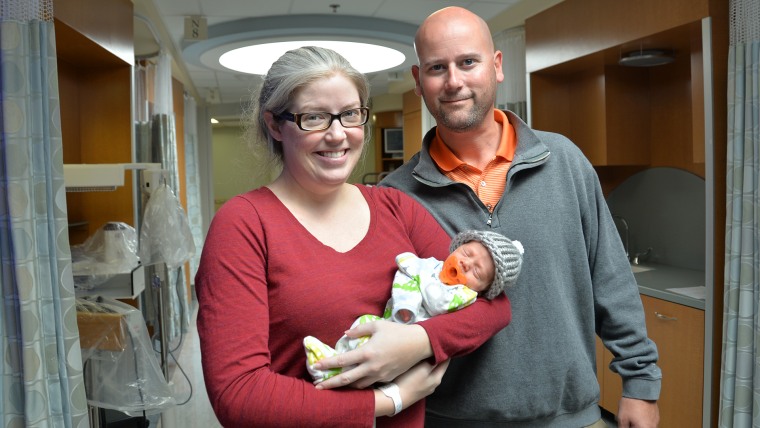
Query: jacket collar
529	150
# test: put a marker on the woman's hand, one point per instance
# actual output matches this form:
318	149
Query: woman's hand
392	350
414	385
420	381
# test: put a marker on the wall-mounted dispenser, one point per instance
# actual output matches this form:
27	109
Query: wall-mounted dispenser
101	177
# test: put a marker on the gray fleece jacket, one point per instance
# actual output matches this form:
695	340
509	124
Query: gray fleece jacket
575	283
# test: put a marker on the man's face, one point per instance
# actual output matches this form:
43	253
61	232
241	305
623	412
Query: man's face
458	74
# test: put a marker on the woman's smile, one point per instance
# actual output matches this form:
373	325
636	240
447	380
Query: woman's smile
333	154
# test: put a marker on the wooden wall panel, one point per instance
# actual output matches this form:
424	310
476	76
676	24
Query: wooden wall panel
107	23
588	116
698	98
671	115
412	134
627	103
412	110
552	95
68	93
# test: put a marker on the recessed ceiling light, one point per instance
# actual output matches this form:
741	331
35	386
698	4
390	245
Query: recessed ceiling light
365	57
647	58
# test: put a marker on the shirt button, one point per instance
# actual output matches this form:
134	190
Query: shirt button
482	184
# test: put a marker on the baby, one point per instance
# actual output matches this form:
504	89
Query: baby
481	262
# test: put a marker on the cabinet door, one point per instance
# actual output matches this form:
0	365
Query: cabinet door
678	332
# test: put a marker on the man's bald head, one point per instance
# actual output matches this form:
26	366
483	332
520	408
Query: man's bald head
447	20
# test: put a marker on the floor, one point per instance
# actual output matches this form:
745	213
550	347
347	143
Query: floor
188	386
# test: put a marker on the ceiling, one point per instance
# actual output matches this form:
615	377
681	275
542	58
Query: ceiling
160	24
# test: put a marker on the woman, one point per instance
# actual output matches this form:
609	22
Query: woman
309	253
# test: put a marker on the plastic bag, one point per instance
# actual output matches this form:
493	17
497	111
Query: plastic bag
165	235
121	368
110	251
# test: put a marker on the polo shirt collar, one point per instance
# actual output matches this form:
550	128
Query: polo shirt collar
448	161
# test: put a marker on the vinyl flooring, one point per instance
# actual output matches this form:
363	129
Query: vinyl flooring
187	383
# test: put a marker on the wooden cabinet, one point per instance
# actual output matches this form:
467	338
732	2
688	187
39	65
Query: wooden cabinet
678	331
623	116
95	58
602	108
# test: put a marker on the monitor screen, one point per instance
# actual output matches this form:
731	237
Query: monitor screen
393	141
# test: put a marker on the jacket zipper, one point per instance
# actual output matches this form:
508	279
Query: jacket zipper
525	163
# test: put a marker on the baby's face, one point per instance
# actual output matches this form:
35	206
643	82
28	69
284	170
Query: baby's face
477	265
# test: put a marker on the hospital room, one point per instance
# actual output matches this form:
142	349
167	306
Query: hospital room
200	196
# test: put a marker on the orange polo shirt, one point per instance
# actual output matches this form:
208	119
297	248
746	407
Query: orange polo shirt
490	183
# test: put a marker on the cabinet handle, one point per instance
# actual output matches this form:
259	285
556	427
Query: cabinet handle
664	317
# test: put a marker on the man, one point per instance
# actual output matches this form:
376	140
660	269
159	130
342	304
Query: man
482	168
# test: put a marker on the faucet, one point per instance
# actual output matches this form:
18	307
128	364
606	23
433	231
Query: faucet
625	226
643	255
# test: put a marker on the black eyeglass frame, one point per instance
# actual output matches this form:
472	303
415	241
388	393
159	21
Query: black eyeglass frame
296	118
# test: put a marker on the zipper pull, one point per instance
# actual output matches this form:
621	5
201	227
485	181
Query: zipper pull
490	217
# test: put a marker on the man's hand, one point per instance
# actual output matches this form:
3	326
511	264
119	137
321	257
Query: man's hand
391	351
635	413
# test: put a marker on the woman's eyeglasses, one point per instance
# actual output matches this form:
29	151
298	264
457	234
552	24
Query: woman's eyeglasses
319	120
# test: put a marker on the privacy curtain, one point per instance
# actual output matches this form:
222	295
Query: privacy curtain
511	94
740	370
41	381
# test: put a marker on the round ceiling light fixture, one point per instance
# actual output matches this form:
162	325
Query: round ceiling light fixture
251	45
365	57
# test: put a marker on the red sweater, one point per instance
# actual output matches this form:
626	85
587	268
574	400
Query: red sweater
265	282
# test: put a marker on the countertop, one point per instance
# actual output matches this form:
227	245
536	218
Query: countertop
654	280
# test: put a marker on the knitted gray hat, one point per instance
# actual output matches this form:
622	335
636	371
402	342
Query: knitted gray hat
507	257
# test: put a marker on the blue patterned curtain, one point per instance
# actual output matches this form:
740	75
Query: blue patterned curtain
41	381
740	369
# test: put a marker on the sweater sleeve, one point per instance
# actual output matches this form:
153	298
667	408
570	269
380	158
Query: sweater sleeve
233	325
620	321
463	331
